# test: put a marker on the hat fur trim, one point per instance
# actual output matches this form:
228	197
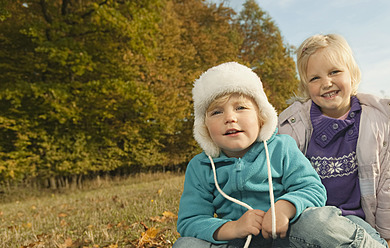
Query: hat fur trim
230	77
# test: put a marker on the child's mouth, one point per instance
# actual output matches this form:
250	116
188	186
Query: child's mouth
330	94
233	131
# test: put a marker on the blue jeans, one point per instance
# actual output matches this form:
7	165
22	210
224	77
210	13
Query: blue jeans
316	227
369	229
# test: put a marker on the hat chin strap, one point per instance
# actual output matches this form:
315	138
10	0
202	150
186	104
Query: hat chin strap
271	195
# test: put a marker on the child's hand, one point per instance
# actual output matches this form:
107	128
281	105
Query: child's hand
284	211
249	223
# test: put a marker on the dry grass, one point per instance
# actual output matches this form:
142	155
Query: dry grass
138	212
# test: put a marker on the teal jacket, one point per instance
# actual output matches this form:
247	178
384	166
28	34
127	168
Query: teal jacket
203	209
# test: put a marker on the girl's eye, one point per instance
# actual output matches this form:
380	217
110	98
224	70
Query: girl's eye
241	107
215	112
334	72
313	79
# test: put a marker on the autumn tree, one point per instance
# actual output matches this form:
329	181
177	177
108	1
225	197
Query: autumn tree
72	97
96	87
269	57
194	36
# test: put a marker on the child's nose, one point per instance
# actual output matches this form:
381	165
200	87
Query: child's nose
230	117
327	82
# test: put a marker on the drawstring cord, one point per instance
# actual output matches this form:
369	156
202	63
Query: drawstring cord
271	194
249	238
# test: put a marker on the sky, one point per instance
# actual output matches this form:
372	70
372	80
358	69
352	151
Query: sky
365	24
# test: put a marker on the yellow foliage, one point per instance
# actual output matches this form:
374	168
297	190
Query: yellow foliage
148	236
169	215
68	242
27	225
63	223
62	215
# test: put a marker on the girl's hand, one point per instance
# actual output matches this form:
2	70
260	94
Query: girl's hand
249	223
284	211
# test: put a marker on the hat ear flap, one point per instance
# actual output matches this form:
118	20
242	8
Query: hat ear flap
202	136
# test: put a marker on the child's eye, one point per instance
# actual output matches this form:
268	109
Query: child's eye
215	112
241	107
313	79
334	72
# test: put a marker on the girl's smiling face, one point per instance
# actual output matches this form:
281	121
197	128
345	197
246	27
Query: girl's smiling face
329	85
233	124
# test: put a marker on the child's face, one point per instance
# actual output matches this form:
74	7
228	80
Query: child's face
233	124
329	85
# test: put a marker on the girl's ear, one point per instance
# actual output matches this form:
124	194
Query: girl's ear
261	123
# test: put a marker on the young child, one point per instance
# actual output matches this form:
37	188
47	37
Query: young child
343	133
250	181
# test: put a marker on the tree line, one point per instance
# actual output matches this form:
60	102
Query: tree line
89	88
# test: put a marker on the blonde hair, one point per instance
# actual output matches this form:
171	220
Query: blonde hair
338	52
225	97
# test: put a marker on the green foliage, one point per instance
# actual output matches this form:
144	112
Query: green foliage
88	87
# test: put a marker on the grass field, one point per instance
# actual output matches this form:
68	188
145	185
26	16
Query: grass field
140	211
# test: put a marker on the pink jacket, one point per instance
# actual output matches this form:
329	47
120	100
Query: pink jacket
373	153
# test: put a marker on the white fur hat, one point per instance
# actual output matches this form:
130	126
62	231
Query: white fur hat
230	77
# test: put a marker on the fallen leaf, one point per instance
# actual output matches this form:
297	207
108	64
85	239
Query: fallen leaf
68	242
167	215
27	225
148	236
62	215
63	223
157	219
34	244
170	215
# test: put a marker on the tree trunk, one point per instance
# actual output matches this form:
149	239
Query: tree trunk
67	182
73	184
98	180
79	181
53	183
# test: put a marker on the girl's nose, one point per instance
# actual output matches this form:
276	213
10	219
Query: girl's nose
327	83
230	118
